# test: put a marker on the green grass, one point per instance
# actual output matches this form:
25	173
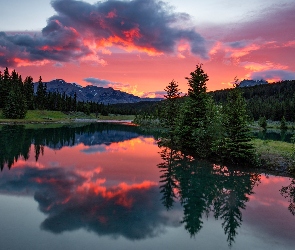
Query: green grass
276	155
41	116
274	147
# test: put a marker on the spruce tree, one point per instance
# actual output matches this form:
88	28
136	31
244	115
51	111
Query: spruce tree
170	109
15	104
41	94
29	92
236	144
4	87
193	121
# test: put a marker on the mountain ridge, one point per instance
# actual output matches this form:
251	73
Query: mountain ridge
93	93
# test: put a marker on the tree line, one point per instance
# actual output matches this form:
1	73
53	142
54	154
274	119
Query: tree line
16	141
272	101
17	96
198	126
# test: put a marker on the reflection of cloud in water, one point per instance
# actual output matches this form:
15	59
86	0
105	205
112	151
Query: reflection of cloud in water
277	223
117	146
73	201
94	149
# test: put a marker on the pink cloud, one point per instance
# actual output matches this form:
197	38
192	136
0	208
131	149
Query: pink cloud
80	30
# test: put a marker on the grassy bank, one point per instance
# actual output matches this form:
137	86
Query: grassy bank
276	156
46	116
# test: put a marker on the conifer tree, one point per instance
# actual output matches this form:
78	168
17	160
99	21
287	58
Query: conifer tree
236	145
41	94
193	122
4	87
29	92
15	103
170	108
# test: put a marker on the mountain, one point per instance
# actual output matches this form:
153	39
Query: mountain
93	93
250	83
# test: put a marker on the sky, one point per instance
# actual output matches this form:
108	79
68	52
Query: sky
139	46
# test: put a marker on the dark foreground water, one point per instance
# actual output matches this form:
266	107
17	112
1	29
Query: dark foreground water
108	186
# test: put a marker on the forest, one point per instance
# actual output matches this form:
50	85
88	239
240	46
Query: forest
18	95
272	101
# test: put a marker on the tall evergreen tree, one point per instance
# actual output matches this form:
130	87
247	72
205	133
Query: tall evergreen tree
41	94
4	87
193	122
170	108
236	145
15	103
29	92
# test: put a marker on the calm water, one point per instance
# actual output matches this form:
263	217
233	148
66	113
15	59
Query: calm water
108	186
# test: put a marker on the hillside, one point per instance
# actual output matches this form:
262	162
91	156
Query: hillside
270	100
92	93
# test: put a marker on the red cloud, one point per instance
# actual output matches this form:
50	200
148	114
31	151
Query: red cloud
142	25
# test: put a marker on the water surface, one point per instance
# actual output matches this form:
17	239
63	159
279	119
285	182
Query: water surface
109	186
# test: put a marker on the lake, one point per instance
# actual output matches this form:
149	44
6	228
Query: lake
109	186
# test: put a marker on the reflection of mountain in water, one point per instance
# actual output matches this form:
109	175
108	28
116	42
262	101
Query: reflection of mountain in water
105	137
16	141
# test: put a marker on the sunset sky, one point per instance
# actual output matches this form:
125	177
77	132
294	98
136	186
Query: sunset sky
139	46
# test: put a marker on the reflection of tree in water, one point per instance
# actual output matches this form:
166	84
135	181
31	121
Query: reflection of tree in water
289	192
167	178
16	141
205	188
13	145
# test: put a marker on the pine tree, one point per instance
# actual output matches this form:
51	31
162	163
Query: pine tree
15	104
29	92
171	108
193	121
41	94
4	87
236	145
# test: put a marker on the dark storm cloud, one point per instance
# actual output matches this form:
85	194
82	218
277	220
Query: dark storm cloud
273	74
97	81
142	23
63	45
146	25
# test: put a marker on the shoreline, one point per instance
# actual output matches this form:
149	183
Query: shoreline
76	120
272	163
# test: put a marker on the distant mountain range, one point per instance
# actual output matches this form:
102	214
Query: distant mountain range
250	83
93	93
